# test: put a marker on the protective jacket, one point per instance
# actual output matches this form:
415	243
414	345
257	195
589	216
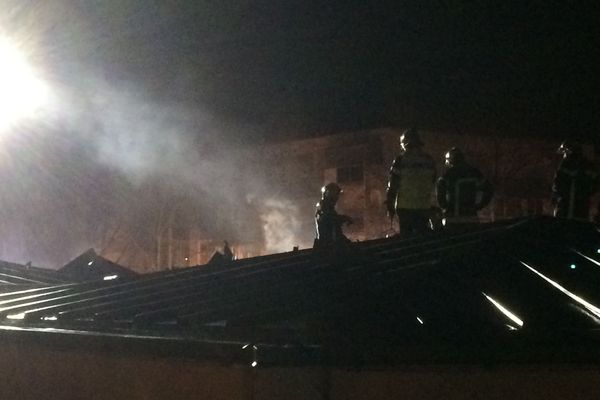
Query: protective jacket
462	190
574	184
411	181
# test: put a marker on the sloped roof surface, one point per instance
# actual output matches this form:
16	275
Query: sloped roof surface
533	278
17	274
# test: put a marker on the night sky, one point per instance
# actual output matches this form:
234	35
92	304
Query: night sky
303	68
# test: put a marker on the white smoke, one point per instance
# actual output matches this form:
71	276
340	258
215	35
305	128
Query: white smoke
281	225
110	153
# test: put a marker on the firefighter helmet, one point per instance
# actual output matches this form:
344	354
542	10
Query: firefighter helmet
569	147
454	156
330	190
410	138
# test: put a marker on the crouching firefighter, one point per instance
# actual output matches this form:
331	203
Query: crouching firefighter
328	221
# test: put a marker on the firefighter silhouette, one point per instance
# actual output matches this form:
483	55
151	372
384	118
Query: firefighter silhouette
410	185
575	182
328	221
462	190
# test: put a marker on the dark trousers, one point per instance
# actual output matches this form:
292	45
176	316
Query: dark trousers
413	221
579	210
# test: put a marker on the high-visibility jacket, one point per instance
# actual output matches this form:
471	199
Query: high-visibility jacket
410	184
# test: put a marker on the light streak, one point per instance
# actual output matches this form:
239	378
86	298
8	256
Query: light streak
587	305
586	257
512	316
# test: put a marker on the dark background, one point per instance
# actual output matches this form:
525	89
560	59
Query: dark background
294	68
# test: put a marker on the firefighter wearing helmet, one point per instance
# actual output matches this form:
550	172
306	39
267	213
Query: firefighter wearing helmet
462	190
410	185
328	221
575	182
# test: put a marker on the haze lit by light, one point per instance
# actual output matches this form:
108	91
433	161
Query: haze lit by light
92	152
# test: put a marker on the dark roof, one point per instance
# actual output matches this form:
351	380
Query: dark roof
519	290
90	266
18	274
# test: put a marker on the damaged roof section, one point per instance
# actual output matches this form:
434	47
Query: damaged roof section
89	266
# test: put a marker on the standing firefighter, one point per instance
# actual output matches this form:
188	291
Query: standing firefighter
574	183
462	190
329	222
410	185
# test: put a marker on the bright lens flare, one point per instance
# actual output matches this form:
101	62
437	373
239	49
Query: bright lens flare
22	93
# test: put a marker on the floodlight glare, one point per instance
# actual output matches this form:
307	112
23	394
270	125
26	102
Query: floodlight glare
22	93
